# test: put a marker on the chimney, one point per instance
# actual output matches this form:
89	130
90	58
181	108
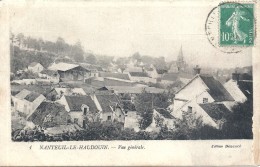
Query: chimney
196	70
235	76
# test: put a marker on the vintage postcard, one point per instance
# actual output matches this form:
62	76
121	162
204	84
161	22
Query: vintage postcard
136	83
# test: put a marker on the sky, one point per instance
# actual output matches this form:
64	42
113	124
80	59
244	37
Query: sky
121	30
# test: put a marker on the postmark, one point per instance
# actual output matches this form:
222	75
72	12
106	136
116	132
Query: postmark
230	27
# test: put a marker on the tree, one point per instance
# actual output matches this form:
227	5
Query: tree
239	122
41	43
136	56
91	59
144	108
77	52
60	45
188	126
20	39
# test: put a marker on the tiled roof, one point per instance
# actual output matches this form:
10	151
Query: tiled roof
185	75
49	72
134	89
114	75
247	88
107	101
64	66
50	110
22	94
33	64
133	69
161	71
164	113
75	102
245	76
214	110
32	96
138	74
154	90
170	77
44	90
216	89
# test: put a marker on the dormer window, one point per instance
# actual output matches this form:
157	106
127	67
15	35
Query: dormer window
85	109
189	109
205	100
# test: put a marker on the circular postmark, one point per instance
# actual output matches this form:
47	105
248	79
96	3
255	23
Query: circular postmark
230	27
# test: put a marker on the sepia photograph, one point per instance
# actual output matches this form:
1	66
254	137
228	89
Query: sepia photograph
132	73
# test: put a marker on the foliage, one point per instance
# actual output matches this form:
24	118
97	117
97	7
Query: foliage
144	108
159	121
91	59
239	122
31	46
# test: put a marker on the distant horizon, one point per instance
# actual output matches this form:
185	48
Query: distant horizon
124	30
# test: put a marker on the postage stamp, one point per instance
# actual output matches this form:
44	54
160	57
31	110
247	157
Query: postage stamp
236	23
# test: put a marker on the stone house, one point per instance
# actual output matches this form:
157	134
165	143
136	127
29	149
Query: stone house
80	108
110	107
141	77
202	89
70	72
35	67
241	89
57	93
27	101
49	114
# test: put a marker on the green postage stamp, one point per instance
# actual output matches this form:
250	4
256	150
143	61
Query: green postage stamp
236	24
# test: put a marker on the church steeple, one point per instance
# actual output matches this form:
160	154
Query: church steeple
180	56
180	61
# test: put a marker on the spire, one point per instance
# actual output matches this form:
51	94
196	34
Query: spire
180	56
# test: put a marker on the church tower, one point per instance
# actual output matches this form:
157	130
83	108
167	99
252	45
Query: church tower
180	61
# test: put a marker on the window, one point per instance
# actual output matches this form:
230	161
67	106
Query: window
189	109
205	100
85	111
62	75
109	118
76	120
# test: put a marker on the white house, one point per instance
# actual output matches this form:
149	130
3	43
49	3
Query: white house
201	89
27	101
152	72
25	81
35	67
110	107
134	69
241	90
70	72
166	119
80	108
141	77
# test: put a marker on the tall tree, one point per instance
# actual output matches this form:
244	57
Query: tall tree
77	52
91	58
20	39
144	108
60	45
